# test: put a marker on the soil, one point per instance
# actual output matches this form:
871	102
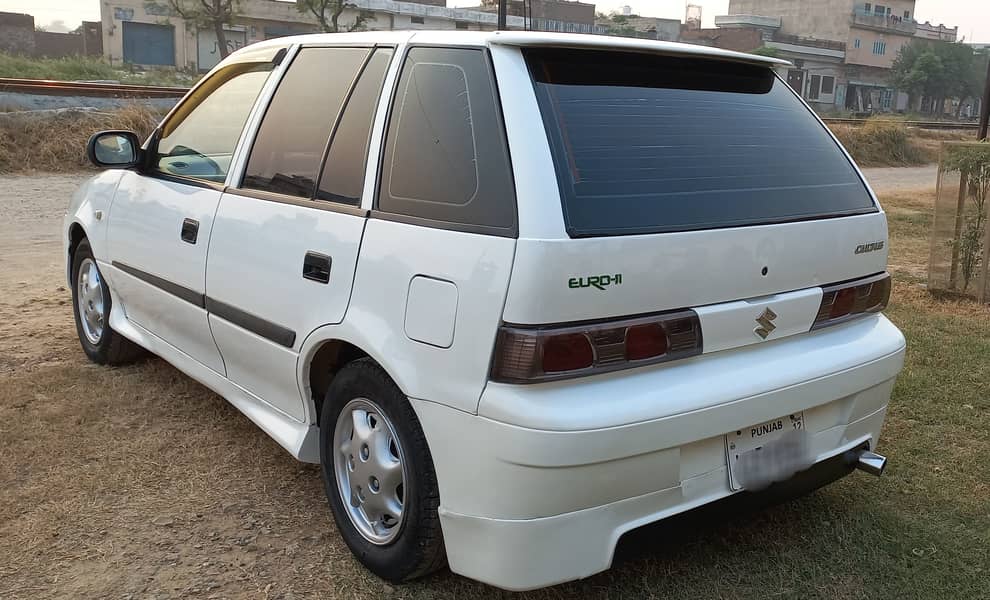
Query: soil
137	482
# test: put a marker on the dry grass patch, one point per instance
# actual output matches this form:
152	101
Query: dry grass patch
137	482
884	143
56	141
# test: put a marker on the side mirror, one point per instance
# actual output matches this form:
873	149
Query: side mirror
114	149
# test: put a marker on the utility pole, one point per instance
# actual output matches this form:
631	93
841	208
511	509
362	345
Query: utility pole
985	104
503	11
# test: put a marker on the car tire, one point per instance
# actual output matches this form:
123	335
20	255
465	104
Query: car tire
397	548
91	305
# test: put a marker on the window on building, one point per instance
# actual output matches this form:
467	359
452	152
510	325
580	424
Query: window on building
828	85
907	14
880	10
288	149
461	25
867	7
857	43
445	156
879	47
417	20
343	171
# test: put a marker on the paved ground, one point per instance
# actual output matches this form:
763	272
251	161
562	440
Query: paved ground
895	179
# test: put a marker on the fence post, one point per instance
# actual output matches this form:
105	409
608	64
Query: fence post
957	233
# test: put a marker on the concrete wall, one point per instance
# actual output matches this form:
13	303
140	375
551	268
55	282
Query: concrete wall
864	54
16	33
821	19
742	40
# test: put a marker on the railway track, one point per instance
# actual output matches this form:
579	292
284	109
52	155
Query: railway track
916	124
45	87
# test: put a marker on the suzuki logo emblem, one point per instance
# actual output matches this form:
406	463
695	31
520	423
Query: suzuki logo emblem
764	323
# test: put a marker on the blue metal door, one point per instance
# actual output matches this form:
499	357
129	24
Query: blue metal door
149	44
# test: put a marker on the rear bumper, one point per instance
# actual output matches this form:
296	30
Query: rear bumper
550	503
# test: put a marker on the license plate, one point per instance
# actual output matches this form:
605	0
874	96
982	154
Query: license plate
767	452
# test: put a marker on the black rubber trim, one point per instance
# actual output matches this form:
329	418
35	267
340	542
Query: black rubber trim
327	205
266	329
444	225
183	293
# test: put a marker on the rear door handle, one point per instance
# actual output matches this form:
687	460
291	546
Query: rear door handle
190	230
316	267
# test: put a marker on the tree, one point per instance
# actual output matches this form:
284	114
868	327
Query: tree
766	51
327	13
204	14
938	70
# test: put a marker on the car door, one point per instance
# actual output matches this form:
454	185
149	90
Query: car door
286	237
161	217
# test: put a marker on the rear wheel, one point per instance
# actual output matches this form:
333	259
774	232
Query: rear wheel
91	302
378	474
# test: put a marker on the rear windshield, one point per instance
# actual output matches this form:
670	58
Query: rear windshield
649	144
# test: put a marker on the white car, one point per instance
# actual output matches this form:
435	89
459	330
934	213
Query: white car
517	293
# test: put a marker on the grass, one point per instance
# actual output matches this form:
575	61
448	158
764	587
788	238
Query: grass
58	143
90	457
86	68
883	144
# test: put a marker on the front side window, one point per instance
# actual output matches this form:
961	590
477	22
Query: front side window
199	138
445	155
288	149
648	144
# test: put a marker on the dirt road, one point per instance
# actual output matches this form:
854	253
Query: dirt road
136	482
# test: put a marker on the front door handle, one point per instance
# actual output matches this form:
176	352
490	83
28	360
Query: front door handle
316	267
190	230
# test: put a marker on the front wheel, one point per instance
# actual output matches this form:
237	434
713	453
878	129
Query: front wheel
91	300
378	474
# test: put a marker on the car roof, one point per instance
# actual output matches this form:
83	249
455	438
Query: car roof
522	38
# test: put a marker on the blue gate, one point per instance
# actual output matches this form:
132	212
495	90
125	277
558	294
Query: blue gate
149	44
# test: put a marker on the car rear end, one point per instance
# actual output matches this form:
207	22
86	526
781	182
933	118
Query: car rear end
694	306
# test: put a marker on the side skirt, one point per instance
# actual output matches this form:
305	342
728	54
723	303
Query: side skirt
301	440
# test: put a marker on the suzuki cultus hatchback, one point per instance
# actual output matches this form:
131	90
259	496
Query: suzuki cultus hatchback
517	293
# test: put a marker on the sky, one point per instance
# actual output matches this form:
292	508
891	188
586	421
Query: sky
972	16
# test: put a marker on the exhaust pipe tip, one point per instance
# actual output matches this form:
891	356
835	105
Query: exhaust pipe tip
866	461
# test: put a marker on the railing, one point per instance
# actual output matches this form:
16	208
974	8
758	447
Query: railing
885	22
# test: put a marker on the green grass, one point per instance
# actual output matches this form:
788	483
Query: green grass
82	68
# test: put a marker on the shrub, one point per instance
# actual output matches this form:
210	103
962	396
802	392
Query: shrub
883	143
56	140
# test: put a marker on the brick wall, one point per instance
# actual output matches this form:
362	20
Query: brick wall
743	40
16	33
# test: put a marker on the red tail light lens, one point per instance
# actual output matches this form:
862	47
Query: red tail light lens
645	341
845	301
533	354
568	352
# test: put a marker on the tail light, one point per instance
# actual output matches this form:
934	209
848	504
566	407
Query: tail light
534	354
845	301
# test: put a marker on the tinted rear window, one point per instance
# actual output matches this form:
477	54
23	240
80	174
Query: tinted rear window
649	144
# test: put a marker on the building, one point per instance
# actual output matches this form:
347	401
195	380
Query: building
18	35
937	32
842	50
149	35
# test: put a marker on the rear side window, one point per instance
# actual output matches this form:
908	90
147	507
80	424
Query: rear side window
293	135
649	144
445	156
343	173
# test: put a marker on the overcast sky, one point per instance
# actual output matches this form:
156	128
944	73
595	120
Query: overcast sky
972	16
